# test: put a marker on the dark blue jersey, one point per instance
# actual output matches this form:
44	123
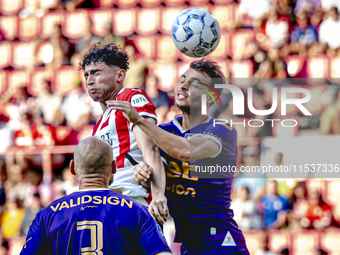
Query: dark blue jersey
96	221
199	201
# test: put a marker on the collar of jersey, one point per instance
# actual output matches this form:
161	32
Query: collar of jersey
120	91
91	189
176	122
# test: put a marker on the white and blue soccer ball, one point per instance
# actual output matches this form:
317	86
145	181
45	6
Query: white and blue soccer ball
196	32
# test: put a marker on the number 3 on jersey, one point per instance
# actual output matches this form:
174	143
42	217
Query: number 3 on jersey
96	232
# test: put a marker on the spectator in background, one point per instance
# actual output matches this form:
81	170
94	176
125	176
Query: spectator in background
74	109
30	214
69	181
276	28
274	207
44	190
299	206
263	248
159	98
330	24
254	181
330	118
42	134
284	251
329	4
109	37
308	6
6	134
61	47
4	248
255	9
318	214
245	210
11	219
23	137
84	43
18	187
303	35
138	69
320	252
3	179
49	103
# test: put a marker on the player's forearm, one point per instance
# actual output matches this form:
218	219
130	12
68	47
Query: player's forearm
175	146
151	156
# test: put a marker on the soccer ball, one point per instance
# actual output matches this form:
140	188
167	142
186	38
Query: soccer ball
196	32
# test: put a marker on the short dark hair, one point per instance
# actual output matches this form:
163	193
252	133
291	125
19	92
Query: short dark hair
210	68
109	54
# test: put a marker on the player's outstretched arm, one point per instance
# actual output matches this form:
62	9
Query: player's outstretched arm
186	150
151	156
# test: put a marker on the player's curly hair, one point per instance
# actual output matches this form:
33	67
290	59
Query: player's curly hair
210	68
109	54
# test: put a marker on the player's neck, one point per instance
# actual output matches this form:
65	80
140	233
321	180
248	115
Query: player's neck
92	183
190	121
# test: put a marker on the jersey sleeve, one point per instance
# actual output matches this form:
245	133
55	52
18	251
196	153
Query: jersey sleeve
36	240
151	239
142	103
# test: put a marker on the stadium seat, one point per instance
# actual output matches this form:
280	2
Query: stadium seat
10	7
48	21
166	48
28	28
296	66
5	53
84	132
167	17
103	3
73	26
221	51
22	55
150	3
128	26
30	4
126	3
241	72
167	75
9	26
286	128
64	79
99	17
37	77
317	69
252	241
3	82
17	79
44	53
278	240
218	2
331	191
240	37
315	105
334	70
197	2
225	14
304	242
62	135
147	21
173	2
329	241
146	46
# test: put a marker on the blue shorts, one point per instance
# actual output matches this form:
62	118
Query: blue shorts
213	250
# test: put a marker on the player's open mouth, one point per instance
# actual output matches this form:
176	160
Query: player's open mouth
181	96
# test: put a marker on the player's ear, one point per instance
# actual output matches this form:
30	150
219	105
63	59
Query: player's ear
72	167
120	75
114	167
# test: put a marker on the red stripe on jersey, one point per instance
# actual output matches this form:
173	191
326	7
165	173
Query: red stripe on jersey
106	123
96	126
122	128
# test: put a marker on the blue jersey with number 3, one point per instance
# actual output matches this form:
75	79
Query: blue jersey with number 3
199	202
96	221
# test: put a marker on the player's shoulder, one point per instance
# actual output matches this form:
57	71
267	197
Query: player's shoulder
217	125
127	93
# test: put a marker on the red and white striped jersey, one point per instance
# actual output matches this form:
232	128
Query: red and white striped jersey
117	130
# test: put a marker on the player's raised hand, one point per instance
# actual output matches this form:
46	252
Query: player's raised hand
159	208
142	172
129	112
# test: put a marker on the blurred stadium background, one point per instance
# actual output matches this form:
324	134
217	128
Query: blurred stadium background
45	110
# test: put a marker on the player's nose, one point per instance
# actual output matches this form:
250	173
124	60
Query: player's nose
90	80
184	86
